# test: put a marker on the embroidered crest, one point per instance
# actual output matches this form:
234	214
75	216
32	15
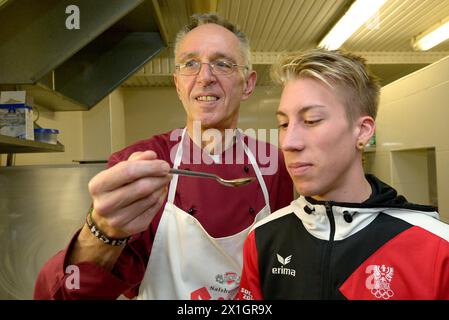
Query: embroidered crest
379	281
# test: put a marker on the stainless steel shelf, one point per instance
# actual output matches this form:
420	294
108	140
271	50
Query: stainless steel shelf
15	145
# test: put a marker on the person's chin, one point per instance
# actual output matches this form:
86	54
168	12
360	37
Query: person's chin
304	188
207	121
206	114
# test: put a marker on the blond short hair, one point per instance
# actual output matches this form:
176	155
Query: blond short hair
337	68
205	18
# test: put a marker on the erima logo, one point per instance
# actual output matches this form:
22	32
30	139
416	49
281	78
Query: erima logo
282	270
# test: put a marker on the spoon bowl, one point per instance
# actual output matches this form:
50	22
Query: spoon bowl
229	183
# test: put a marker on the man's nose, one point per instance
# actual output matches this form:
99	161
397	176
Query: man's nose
291	139
205	74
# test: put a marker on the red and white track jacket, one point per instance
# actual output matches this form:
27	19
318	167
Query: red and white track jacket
384	248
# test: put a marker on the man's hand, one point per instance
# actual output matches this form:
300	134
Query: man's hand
127	196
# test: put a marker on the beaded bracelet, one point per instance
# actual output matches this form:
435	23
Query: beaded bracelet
100	235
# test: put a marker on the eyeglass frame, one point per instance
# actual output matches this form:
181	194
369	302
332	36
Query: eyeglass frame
211	66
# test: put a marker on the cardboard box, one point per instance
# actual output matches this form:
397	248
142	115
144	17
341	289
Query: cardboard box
16	97
16	115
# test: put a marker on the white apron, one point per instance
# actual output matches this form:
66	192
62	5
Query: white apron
185	261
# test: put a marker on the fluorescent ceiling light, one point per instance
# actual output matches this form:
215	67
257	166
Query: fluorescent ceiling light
2	2
432	37
359	13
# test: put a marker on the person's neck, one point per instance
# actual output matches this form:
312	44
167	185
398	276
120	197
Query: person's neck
353	188
214	141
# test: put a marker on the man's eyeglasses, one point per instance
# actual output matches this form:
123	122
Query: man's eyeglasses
218	67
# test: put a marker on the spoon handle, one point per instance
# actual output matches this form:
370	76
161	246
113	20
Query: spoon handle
193	173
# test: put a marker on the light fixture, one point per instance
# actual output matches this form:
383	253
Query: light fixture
359	13
433	36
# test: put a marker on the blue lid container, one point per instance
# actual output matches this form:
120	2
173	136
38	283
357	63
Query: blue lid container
46	130
46	135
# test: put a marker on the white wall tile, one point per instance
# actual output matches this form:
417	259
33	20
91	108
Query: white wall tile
413	114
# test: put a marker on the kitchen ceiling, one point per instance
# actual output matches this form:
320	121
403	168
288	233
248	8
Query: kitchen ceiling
275	26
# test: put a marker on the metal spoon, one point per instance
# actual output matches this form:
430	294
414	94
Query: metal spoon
230	183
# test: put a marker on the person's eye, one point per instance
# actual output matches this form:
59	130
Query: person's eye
190	64
283	125
312	122
222	64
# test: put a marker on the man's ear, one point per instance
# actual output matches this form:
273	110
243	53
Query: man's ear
365	127
250	84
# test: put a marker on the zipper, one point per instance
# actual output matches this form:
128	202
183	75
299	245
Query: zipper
326	284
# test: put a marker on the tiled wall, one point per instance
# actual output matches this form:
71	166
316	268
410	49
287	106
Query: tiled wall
412	123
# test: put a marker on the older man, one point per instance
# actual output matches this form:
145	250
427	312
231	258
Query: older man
155	236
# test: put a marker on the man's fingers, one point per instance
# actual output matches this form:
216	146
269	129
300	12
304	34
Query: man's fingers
143	155
124	216
122	197
143	220
126	172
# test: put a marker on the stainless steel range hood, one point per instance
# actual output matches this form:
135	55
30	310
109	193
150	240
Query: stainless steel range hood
73	69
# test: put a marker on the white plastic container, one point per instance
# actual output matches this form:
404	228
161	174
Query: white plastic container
16	120
46	135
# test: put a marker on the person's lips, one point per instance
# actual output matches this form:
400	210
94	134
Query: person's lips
207	98
299	168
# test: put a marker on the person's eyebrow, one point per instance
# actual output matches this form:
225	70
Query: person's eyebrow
280	113
221	55
187	55
302	110
215	55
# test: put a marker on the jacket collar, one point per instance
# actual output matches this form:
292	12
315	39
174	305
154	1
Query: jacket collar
382	196
351	217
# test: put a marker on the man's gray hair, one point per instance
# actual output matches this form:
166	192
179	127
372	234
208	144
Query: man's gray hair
205	18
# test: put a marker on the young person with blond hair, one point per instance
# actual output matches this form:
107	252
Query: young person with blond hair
348	235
